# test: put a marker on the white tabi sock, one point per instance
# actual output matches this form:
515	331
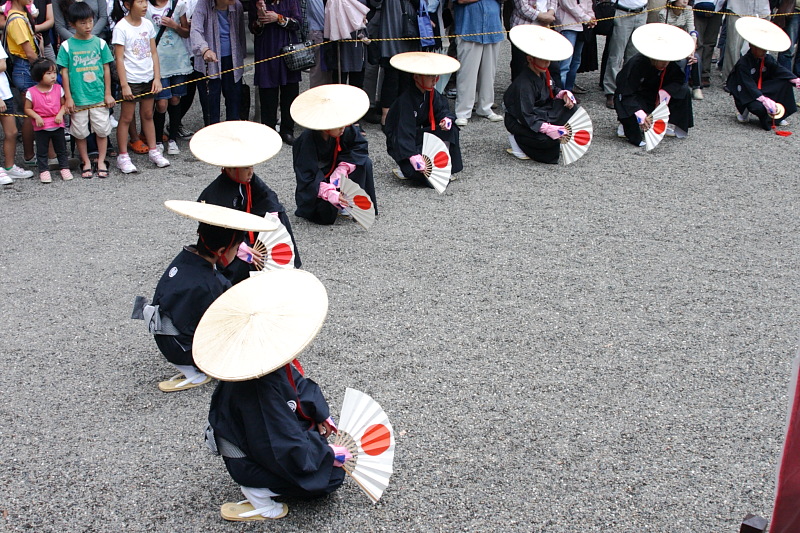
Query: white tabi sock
191	372
515	149
261	500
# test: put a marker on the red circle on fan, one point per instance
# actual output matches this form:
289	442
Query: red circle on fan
362	202
659	126
582	137
281	253
376	439
441	159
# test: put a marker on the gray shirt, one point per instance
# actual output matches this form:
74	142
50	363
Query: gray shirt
65	31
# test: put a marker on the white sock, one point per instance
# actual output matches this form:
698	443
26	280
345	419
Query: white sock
515	149
261	499
191	373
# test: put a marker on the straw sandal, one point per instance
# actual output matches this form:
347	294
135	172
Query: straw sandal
179	382
243	511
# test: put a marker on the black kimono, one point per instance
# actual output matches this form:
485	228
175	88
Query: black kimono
409	118
186	289
228	193
530	103
284	451
743	85
313	163
638	84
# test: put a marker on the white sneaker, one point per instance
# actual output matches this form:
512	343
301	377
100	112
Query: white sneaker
125	164
743	117
160	147
172	148
5	179
18	173
493	117
697	94
158	159
462	122
113	121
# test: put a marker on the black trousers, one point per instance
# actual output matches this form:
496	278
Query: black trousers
43	138
779	90
275	97
326	213
173	351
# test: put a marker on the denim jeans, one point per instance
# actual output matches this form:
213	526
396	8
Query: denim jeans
222	86
785	58
569	68
21	77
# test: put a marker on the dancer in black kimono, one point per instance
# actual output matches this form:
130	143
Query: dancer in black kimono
329	150
757	82
652	77
421	109
236	146
536	108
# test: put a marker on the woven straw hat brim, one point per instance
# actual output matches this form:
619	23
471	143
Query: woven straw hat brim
328	107
260	325
662	42
541	42
763	34
425	63
223	217
235	143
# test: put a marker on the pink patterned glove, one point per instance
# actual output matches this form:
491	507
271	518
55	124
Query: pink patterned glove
569	94
768	104
329	193
340	455
245	253
446	124
417	162
554	132
332	423
795	82
640	116
663	96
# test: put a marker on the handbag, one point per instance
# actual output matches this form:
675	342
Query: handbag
425	26
605	10
300	54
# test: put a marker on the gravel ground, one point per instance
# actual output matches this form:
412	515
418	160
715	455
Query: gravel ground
599	347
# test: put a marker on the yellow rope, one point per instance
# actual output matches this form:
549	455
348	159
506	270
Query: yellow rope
503	32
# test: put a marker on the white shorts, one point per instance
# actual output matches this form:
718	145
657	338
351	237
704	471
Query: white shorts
98	116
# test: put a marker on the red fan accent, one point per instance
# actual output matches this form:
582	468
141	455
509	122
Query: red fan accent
376	439
282	253
362	202
659	127
582	137
441	159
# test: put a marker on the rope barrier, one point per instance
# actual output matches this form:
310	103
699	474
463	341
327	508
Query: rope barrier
503	32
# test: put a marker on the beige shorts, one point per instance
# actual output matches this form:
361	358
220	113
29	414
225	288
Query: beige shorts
98	116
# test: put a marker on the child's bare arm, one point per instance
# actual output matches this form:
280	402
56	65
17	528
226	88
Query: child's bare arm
68	101
119	56
156	68
33	114
110	102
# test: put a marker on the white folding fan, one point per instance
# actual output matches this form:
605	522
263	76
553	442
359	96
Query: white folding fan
578	137
437	162
277	249
361	207
658	129
364	429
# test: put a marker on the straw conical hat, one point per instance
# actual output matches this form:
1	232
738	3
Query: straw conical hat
425	63
662	42
763	34
541	42
328	107
235	143
260	325
221	216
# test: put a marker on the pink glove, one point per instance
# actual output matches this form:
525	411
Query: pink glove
244	253
571	96
342	171
554	132
768	104
332	423
446	124
329	193
663	96
340	455
640	116
417	161
795	82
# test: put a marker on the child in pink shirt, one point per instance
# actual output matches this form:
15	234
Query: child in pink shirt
44	104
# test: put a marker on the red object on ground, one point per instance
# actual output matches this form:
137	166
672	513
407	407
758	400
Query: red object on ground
786	514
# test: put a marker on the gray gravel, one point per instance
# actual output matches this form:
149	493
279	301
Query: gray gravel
599	347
